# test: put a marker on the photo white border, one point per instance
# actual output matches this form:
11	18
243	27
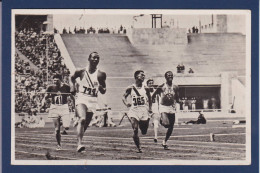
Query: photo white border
247	161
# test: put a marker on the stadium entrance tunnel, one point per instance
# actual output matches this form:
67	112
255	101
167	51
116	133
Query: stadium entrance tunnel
199	97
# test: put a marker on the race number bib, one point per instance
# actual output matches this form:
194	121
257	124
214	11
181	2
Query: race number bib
138	101
90	91
58	100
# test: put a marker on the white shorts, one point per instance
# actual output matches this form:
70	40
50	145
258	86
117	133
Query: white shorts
167	109
138	113
156	116
90	102
60	111
57	111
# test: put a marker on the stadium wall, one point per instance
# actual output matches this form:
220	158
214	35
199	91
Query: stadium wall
223	24
228	83
239	96
214	39
49	26
157	36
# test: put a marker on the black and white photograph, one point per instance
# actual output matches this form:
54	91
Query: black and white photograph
131	87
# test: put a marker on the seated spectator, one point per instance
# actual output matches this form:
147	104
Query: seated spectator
178	68
41	122
201	120
191	71
182	67
64	31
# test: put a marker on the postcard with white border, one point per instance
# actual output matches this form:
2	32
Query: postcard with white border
130	87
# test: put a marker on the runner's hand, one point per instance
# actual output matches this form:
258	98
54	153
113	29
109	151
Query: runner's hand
101	89
150	113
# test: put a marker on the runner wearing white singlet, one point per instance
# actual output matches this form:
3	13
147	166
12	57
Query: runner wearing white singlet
92	82
155	108
138	108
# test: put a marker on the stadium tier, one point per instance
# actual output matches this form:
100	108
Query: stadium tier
209	55
204	53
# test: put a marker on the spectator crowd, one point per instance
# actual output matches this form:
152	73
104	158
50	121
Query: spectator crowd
37	59
92	30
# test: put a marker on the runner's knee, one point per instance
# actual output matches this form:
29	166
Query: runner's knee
135	136
135	131
144	126
144	131
165	124
81	110
156	124
89	116
82	121
57	131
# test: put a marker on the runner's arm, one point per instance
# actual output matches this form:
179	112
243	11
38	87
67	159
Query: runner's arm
102	82
73	81
157	91
149	99
127	93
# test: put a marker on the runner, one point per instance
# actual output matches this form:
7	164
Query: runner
155	108
59	110
169	97
92	82
139	110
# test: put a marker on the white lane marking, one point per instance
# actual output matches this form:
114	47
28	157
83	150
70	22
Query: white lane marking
103	137
147	142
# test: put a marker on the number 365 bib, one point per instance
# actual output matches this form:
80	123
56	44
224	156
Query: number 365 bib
139	98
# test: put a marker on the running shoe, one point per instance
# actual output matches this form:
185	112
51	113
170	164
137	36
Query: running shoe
64	133
165	147
80	148
155	140
58	148
139	150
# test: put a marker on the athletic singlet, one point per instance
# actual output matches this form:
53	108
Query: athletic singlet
88	85
59	98
138	97
155	100
168	90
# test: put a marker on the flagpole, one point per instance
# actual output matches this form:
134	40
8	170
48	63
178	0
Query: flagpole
47	57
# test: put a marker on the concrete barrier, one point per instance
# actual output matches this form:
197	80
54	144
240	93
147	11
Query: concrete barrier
158	36
64	53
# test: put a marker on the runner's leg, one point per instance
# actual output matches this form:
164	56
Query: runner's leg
89	116
155	127
167	120
143	125
135	124
171	118
57	122
81	110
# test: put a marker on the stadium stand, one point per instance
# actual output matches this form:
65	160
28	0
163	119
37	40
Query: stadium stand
35	64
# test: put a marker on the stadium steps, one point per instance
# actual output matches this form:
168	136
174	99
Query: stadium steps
205	53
